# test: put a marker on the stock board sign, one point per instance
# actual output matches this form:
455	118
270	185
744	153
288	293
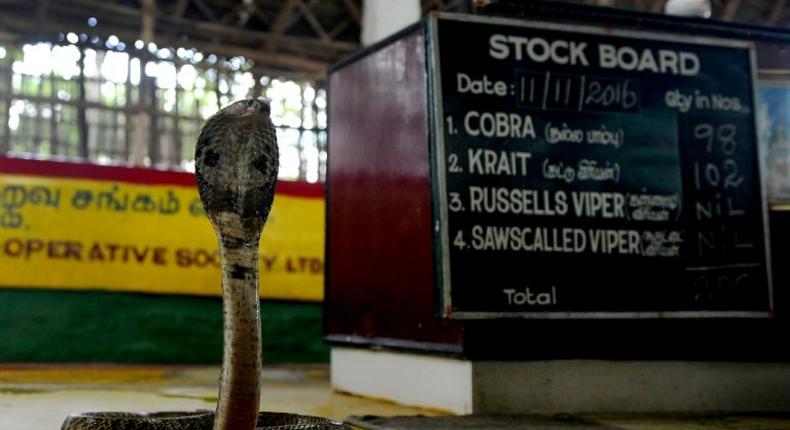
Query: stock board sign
591	173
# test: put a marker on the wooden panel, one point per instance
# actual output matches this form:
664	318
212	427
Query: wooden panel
380	279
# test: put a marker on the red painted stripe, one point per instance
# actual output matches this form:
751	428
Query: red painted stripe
300	189
134	175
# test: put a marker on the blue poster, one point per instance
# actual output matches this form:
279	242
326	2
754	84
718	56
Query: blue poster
774	129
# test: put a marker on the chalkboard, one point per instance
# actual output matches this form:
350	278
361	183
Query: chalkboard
583	172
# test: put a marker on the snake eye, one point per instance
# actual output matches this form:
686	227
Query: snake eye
211	158
261	164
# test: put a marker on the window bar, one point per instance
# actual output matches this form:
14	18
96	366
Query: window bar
127	130
115	128
82	123
177	148
152	105
8	72
216	88
54	142
37	134
319	143
299	142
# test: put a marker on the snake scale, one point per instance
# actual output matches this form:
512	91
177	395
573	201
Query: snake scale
236	160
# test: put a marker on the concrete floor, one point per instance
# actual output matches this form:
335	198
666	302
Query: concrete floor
39	397
579	422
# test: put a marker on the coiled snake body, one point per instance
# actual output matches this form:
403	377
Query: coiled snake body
236	162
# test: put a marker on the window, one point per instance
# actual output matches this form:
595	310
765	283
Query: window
111	103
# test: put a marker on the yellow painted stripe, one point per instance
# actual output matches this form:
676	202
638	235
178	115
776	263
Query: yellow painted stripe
80	234
80	374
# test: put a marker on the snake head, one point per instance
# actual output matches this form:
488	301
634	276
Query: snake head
236	163
246	107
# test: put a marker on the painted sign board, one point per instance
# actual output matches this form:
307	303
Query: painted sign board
583	172
80	227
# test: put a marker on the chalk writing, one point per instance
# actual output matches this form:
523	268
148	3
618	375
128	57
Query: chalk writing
653	207
592	164
583	170
561	91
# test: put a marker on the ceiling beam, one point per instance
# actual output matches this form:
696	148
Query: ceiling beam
205	10
288	74
278	27
730	10
199	27
42	7
99	6
313	21
262	17
340	27
246	13
430	4
148	21
240	14
257	55
20	24
776	12
180	8
42	10
202	29
228	17
354	11
298	14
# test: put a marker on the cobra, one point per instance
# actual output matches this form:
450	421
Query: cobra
236	162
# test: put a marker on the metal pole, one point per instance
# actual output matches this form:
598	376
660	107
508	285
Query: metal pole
8	75
82	123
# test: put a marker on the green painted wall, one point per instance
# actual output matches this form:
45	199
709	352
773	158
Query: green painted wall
65	326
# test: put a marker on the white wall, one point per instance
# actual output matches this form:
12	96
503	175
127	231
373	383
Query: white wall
381	18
